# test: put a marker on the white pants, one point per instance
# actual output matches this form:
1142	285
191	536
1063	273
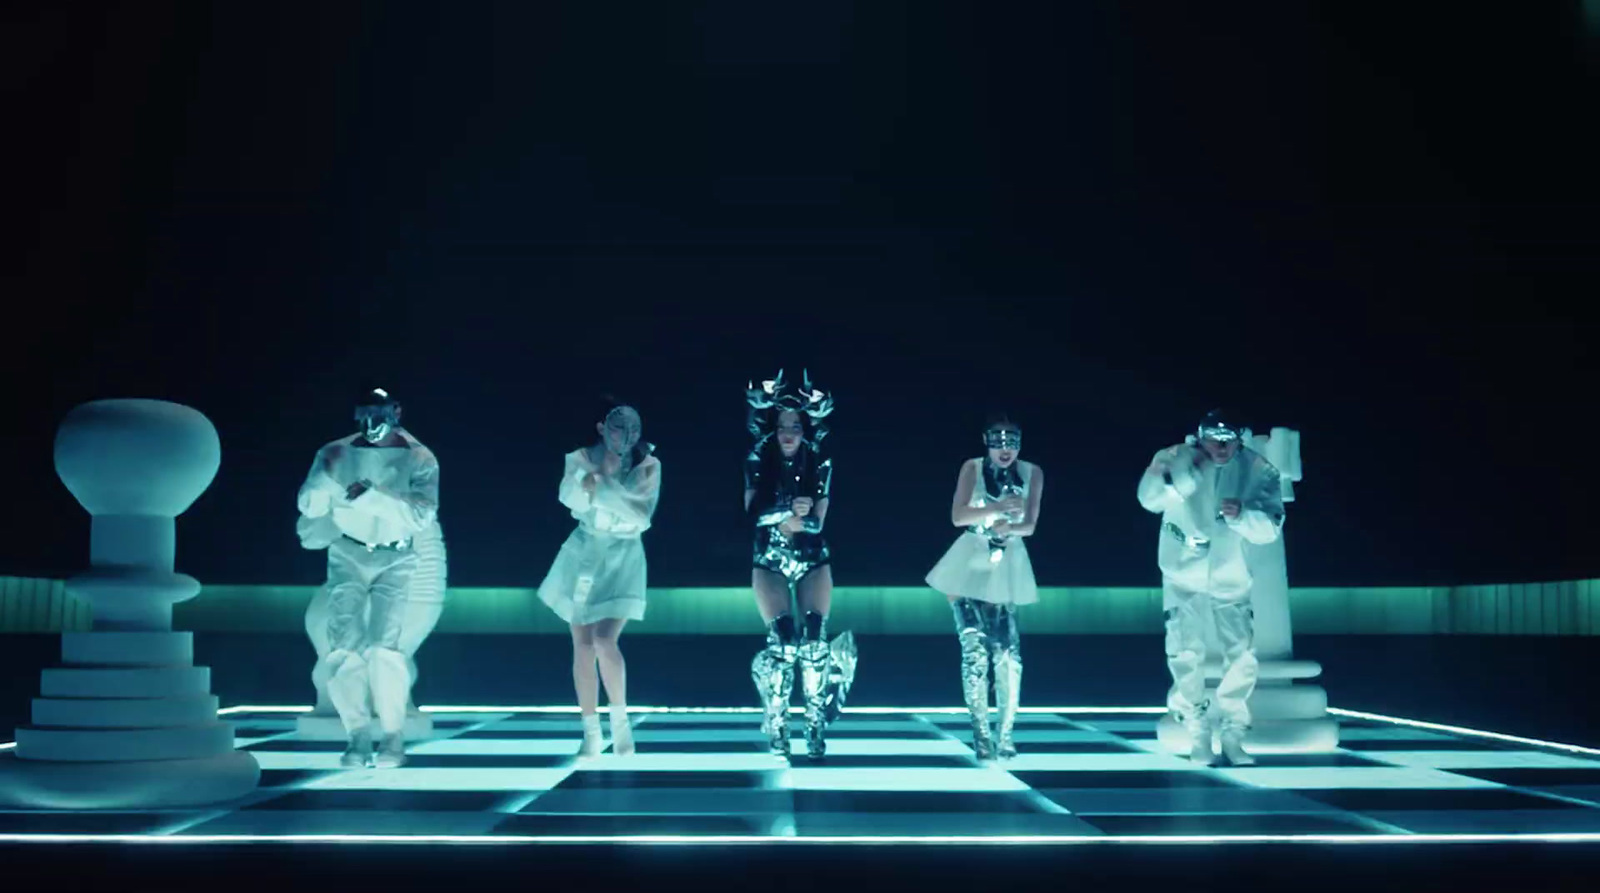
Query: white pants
366	670
1190	616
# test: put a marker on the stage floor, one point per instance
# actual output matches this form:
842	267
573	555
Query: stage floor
1085	776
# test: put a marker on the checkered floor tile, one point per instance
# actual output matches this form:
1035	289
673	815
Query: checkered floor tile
895	774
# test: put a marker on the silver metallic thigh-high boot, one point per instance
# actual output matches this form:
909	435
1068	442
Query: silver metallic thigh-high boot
814	660
841	674
772	670
974	673
1005	651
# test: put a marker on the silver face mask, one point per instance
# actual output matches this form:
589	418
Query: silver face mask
378	420
623	428
1003	439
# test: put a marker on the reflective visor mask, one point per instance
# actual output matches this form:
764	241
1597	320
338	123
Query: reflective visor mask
1215	427
377	421
1003	439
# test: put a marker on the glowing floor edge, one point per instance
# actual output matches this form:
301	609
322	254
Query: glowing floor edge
1408	839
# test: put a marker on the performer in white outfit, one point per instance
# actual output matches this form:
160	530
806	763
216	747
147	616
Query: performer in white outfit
1213	495
372	500
597	583
986	575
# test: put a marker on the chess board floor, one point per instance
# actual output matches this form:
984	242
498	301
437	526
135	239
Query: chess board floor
1084	776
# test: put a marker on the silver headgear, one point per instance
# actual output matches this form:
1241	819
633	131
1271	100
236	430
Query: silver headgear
1216	427
769	398
378	414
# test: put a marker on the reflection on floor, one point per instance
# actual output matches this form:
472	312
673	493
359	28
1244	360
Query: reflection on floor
1081	777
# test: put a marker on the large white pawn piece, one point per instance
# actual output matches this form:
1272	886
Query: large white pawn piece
1286	717
128	721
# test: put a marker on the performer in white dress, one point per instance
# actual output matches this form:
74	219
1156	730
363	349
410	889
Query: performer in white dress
372	500
986	575
597	583
787	481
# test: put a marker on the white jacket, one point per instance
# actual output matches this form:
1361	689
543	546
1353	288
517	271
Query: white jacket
1200	551
401	503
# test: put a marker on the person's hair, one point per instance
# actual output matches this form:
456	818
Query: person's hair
1000	420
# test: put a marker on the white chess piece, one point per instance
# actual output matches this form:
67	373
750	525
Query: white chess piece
128	722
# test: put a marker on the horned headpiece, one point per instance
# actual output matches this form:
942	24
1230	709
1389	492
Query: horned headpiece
769	398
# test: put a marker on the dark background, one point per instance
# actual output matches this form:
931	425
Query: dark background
1372	222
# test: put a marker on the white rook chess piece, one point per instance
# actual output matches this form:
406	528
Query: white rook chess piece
1286	717
128	721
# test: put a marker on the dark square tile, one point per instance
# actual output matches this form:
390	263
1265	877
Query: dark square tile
741	747
1315	760
557	824
1228	824
913	801
1075	747
1383	744
1432	799
1534	777
520	734
1178	778
488	760
622	778
52	822
382	800
887	761
298	745
283	778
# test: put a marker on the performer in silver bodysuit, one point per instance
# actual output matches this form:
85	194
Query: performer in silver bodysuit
986	575
786	487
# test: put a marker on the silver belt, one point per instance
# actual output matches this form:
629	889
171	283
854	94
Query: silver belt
396	546
1197	543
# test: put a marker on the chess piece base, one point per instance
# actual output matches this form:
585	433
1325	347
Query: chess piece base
140	784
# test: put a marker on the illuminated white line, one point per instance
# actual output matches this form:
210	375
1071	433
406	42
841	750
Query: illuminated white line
954	711
1462	730
832	840
568	708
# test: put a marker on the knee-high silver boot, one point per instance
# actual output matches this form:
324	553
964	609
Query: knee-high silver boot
823	694
974	674
1007	695
1005	651
813	677
772	670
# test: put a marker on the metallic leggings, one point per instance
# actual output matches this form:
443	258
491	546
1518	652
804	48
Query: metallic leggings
988	635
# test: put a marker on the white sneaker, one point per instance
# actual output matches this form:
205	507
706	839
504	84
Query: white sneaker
1233	749
358	753
393	753
1200	752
